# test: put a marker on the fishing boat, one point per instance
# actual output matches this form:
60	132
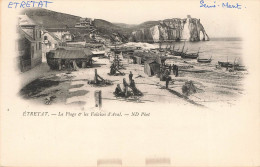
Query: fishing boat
234	66
204	60
176	52
240	68
225	64
190	55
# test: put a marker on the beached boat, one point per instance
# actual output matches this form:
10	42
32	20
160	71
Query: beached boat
177	52
185	55
190	56
235	66
204	60
240	68
225	64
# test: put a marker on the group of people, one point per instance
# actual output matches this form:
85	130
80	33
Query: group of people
165	73
125	92
172	68
175	69
165	76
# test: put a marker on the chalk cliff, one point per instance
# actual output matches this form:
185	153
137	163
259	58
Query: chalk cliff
189	29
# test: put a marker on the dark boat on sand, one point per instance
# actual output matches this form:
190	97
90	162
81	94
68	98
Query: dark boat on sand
176	52
240	68
236	67
225	64
190	55
204	60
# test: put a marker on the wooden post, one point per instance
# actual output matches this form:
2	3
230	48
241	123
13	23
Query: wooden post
98	98
96	77
100	78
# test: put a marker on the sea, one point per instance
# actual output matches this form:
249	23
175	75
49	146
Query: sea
219	49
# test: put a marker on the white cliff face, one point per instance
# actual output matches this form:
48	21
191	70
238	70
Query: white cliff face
202	35
163	33
155	33
172	29
186	30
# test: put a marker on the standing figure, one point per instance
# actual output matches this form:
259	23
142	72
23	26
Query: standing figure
168	79
130	76
132	84
161	74
167	72
170	69
125	83
173	68
112	69
177	71
125	88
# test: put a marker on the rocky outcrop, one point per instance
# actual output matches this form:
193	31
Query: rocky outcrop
189	29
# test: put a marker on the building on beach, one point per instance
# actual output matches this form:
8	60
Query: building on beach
50	42
28	43
69	58
152	67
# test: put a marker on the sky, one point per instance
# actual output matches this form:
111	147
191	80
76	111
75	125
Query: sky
218	22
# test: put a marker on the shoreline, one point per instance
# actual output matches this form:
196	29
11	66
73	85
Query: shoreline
214	85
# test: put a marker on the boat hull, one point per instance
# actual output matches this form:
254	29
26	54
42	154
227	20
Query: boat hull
189	56
204	60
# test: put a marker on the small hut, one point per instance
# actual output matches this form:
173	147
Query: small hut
137	60
140	57
69	59
152	66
